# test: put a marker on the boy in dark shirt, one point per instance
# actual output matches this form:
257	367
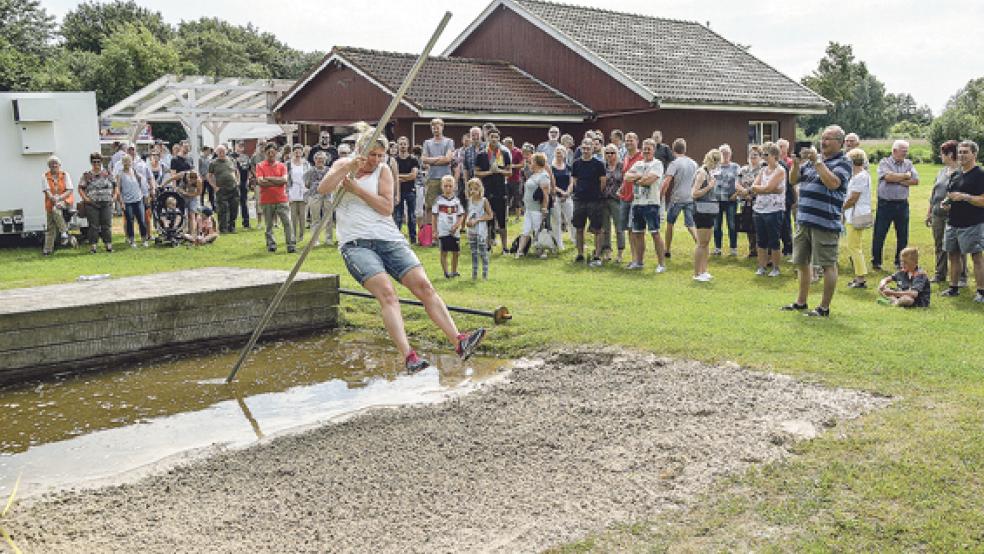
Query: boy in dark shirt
912	283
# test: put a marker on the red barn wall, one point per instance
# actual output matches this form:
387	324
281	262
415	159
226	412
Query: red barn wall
504	35
339	95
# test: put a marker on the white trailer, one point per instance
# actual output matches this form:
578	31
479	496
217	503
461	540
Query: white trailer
33	126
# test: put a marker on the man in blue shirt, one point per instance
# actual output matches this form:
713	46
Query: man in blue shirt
822	188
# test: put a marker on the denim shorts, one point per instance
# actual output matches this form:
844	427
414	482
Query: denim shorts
673	211
366	258
646	215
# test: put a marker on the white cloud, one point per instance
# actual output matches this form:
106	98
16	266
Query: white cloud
911	46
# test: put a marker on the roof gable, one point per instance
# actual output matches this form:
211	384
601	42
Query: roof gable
493	87
674	63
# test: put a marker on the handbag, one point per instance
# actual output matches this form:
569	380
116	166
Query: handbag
862	221
545	239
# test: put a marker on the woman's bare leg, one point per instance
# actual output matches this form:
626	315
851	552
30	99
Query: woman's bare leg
380	286
420	286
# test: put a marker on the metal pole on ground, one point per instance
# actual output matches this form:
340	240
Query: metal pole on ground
499	315
394	103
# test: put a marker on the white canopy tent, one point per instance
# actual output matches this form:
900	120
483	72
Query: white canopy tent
199	103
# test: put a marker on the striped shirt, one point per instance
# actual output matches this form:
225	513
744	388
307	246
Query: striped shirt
819	206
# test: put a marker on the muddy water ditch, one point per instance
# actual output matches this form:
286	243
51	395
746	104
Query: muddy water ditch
112	426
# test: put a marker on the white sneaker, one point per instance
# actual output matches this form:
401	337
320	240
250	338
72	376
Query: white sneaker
132	244
633	265
703	277
774	272
716	252
760	271
707	276
979	298
661	268
146	244
734	252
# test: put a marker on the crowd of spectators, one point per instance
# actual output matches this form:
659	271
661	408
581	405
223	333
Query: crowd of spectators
620	190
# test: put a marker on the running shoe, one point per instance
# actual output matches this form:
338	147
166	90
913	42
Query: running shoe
595	262
774	272
415	363
760	271
467	343
661	268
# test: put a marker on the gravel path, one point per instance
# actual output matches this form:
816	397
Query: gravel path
568	444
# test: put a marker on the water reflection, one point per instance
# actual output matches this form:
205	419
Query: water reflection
78	428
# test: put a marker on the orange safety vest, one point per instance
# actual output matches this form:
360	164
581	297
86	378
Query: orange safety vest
57	188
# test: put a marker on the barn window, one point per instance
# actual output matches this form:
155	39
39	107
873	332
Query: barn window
763	131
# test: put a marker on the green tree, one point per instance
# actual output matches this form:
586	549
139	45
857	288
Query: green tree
213	51
857	95
219	48
963	117
26	27
15	67
903	108
68	70
131	58
86	27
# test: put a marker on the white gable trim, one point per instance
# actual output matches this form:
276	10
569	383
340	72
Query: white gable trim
341	59
611	70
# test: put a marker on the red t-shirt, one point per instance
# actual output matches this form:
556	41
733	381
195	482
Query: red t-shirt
517	158
272	195
625	193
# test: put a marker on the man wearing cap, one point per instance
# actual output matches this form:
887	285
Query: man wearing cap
271	177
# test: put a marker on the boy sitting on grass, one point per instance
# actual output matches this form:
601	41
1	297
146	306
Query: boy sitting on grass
912	283
448	217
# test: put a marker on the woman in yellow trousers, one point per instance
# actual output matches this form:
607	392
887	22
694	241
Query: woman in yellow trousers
857	215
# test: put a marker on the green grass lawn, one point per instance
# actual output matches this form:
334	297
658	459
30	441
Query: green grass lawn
906	478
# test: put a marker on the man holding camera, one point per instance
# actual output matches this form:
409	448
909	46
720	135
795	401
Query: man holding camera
822	189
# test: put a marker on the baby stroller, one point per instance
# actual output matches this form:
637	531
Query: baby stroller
169	218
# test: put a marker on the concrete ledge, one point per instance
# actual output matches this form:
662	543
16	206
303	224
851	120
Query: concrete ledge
44	330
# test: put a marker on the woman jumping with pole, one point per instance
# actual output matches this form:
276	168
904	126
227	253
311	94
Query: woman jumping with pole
374	249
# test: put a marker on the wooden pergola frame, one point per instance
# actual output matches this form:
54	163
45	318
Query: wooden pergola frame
196	101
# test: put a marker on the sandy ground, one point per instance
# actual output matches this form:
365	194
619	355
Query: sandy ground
569	443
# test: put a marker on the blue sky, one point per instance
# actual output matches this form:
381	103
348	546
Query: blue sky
909	45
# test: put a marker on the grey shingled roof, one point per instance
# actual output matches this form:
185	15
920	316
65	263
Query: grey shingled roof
464	84
679	61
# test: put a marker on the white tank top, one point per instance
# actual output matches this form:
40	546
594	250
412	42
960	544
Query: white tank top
357	220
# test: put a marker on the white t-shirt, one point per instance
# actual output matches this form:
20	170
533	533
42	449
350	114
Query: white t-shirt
296	190
859	183
448	211
647	195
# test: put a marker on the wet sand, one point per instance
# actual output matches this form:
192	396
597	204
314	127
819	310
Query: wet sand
567	444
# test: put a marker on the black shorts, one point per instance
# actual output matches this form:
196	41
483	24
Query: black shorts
586	211
450	244
499	212
704	221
